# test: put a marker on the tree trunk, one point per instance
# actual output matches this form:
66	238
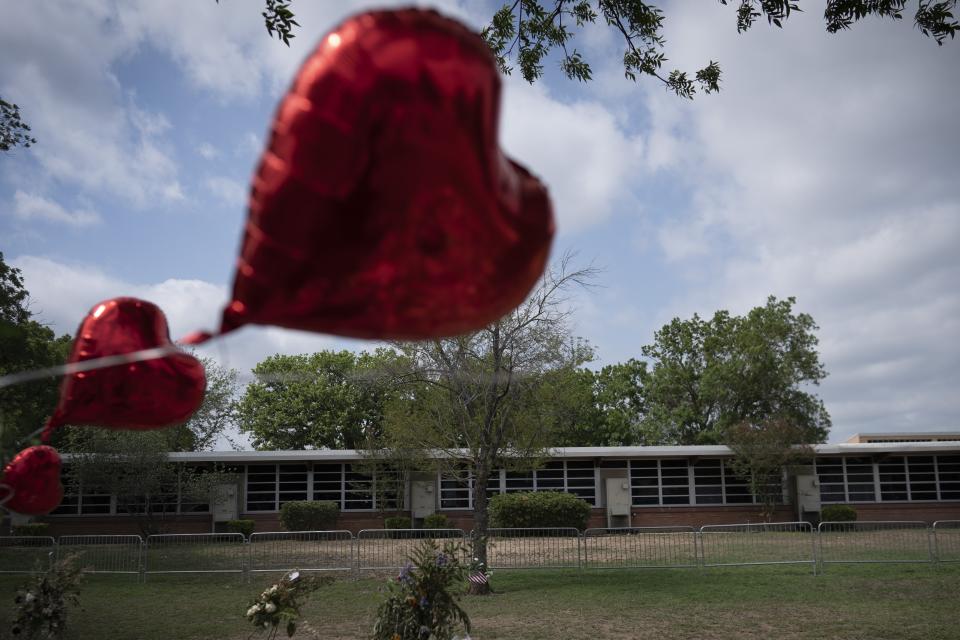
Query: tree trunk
480	527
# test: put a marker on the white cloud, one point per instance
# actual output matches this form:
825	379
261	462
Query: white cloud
207	151
92	135
579	149
228	190
827	168
61	294
28	206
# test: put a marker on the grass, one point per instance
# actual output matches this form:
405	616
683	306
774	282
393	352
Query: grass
785	602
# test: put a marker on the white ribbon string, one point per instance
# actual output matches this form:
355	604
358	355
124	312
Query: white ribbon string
88	365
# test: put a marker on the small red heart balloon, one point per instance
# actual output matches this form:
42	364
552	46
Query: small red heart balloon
32	481
149	394
383	207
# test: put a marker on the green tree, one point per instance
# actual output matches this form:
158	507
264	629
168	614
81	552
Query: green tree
477	399
327	400
527	32
216	416
708	375
14	132
603	408
763	451
25	344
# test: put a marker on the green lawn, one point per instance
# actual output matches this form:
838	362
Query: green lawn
786	602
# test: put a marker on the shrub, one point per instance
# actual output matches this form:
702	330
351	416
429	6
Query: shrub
539	509
245	527
838	513
436	521
397	522
32	529
423	601
309	516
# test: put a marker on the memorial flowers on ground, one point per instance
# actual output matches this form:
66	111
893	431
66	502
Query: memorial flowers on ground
422	602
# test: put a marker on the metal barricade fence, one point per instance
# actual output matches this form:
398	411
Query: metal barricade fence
26	554
303	550
725	545
639	547
861	542
544	548
104	554
389	549
194	553
946	540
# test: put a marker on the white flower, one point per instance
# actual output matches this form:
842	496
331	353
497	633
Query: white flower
272	590
252	611
270	608
294	575
29	597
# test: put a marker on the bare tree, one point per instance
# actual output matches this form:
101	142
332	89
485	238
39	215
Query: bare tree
477	399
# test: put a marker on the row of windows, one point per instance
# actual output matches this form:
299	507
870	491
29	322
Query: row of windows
889	479
679	482
570	476
80	500
269	486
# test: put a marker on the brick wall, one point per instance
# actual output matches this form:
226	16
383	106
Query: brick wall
645	517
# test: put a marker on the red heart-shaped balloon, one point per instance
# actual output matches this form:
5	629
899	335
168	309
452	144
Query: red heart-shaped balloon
148	394
383	206
32	481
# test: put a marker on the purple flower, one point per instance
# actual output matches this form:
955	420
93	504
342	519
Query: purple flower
405	576
424	602
441	560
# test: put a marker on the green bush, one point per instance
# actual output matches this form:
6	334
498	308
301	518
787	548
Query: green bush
305	515
539	509
436	521
32	529
397	522
245	527
838	513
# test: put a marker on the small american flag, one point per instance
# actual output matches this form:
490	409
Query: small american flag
478	578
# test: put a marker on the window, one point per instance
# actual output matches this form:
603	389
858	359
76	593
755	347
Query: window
581	480
893	479
948	473
455	487
261	487
674	482
859	474
292	482
921	478
708	481
358	490
328	483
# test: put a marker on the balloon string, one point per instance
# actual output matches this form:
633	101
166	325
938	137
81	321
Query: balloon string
88	365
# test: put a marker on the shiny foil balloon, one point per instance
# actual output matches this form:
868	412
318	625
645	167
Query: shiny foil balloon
149	394
383	206
31	482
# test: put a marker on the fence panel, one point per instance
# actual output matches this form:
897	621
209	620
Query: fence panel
858	542
104	554
26	554
303	550
389	549
194	553
725	545
546	548
641	547
946	540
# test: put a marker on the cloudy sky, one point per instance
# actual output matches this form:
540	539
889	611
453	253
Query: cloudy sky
828	169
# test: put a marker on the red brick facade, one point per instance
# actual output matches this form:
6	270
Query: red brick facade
646	517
